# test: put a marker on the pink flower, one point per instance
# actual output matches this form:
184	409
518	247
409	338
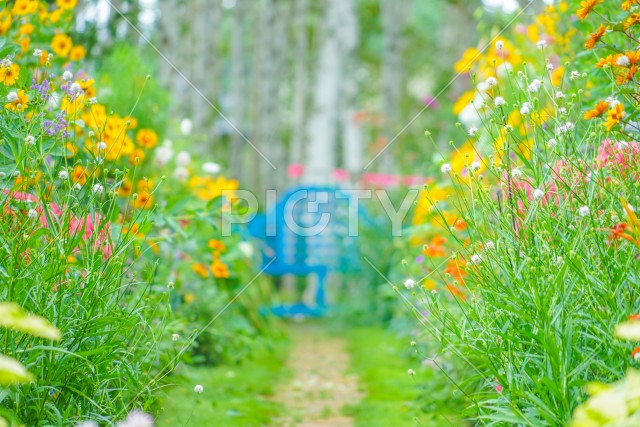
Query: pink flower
295	171
620	154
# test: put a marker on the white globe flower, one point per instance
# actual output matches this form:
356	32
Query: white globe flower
211	168
409	284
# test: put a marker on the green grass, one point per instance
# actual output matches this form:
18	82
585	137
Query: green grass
234	396
393	398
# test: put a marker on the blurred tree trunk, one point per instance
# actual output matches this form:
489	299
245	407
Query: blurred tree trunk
238	88
301	81
394	15
323	122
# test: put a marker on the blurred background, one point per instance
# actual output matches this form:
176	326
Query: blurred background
286	91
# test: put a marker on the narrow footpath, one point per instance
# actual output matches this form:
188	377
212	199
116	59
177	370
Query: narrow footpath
320	387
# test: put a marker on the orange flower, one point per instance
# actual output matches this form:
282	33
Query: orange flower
587	7
77	53
634	317
200	270
217	246
600	108
454	269
143	201
219	269
633	19
609	60
627	4
635	354
137	156
594	38
616	114
79	175
146	138
435	248
455	291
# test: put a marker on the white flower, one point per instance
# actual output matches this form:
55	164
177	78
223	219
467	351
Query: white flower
137	418
30	140
500	44
526	109
12	96
183	158
535	86
75	88
475	166
490	245
87	424
37	52
473	131
63	175
181	173
3	175
562	110
93	100
569	126
575	75
492	81
15	174
77	187
612	101
163	155
198	389
516	173
211	168
175	337
584	211
623	61
560	95
246	248
538	194
541	44
33	214
499	101
102	145
6	62
98	189
445	168
476	259
67	75
411	372
552	142
409	284
549	67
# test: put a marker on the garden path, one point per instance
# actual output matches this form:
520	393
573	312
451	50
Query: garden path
320	386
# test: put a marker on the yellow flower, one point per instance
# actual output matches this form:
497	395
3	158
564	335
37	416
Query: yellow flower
125	188
556	76
146	138
137	156
595	37
9	75
469	58
25	42
462	103
5	22
25	7
616	114
26	29
20	103
79	175
61	45
77	53
189	298
217	246
66	4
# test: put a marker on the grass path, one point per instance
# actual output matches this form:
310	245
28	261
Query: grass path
320	386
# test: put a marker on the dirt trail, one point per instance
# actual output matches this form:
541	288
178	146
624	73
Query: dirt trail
320	386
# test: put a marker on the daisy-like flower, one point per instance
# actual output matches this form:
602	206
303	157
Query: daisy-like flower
584	211
473	131
409	284
30	140
476	259
541	44
98	189
600	108
64	175
516	173
615	116
526	109
586	7
595	37
475	166
12	96
499	101
560	95
198	389
492	81
67	75
575	75
445	168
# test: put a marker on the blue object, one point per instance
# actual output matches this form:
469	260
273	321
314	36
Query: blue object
307	232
